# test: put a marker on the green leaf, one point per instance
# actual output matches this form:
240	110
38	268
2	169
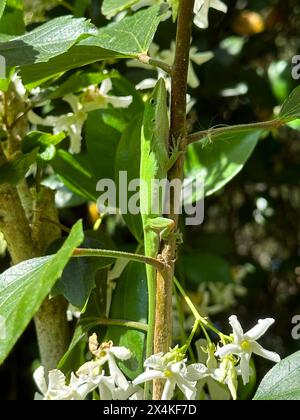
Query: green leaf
282	382
120	117
206	268
85	52
88	323
38	139
221	160
47	41
295	124
291	108
130	303
102	142
132	35
15	170
76	174
281	79
80	7
2	7
127	159
77	292
12	20
111	7
74	357
128	38
24	287
78	81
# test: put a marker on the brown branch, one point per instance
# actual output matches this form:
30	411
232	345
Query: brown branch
163	325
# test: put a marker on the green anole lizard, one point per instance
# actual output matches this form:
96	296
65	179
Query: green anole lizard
155	164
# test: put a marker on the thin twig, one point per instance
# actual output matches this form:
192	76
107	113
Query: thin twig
145	59
104	253
121	323
213	132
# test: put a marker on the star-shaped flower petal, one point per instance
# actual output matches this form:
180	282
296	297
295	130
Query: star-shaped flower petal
176	373
245	344
201	10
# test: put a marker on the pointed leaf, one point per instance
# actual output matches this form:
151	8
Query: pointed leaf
76	174
12	20
127	159
125	39
77	292
130	303
111	7
15	170
2	7
221	160
46	41
41	140
291	108
24	287
282	382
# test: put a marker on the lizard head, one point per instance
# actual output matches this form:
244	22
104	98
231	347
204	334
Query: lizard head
156	115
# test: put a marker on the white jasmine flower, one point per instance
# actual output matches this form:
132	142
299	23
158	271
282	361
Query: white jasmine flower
113	275
72	313
2	327
92	374
176	373
56	389
71	123
108	353
146	84
201	10
96	97
212	381
227	374
245	344
19	87
196	57
93	98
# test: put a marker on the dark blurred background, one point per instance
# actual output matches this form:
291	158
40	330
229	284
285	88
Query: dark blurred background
251	225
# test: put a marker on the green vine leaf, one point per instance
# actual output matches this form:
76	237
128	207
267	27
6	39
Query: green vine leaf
130	303
76	174
111	7
2	7
14	171
282	382
46	42
12	17
291	108
220	161
128	38
24	287
79	291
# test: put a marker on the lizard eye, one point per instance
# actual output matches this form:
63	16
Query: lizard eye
153	101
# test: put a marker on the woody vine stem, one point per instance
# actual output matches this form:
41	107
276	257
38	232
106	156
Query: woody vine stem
163	322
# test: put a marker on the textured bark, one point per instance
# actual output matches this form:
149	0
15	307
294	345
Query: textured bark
163	324
50	322
14	225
